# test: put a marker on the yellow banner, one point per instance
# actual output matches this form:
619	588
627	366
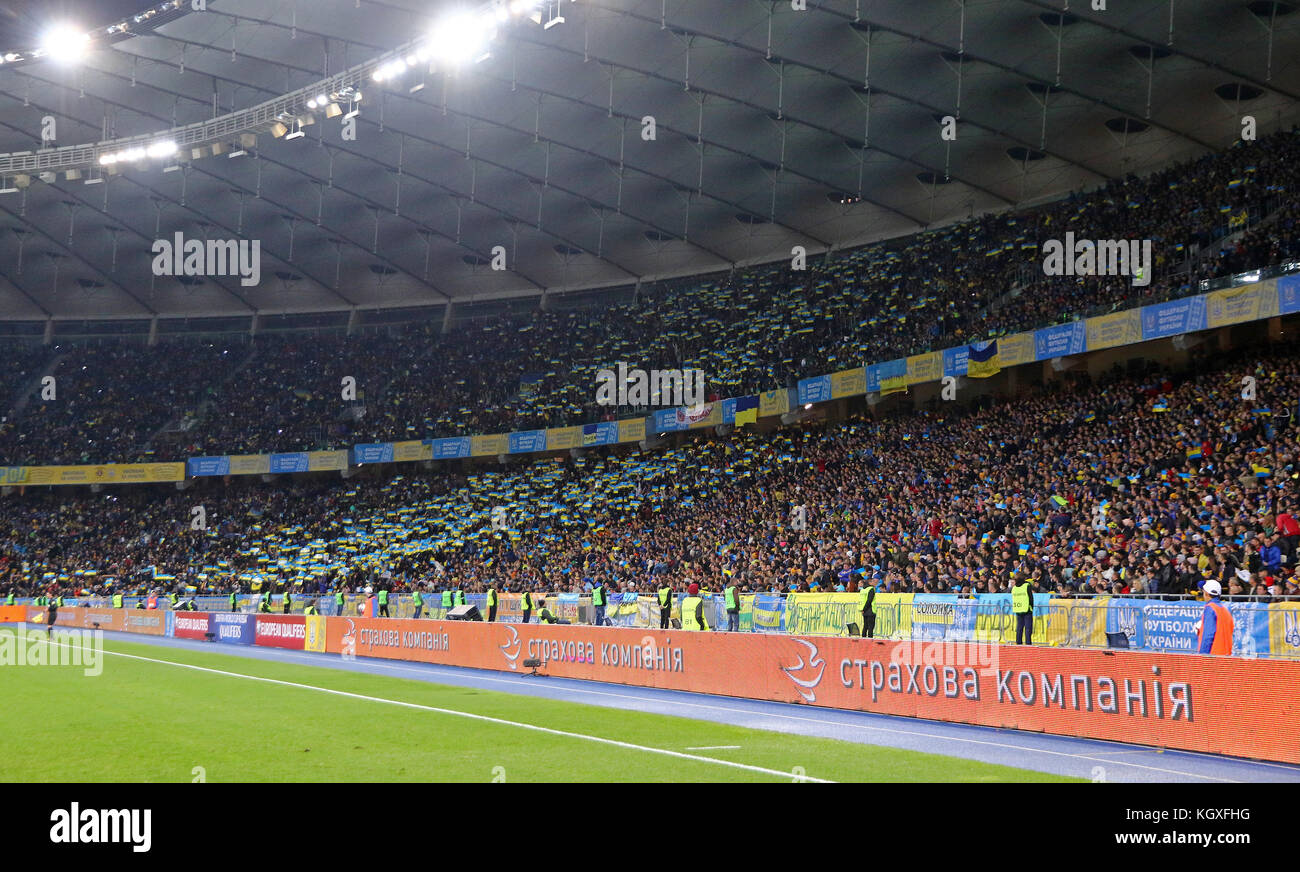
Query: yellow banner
1236	305
250	464
413	450
631	430
110	473
563	437
1107	331
926	367
829	614
1074	623
1284	629
326	460
773	402
849	382
314	639
1016	349
712	418
485	446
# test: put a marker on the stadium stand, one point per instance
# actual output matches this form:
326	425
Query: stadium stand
754	330
1144	483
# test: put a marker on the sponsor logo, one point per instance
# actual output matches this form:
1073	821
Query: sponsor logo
75	825
807	683
349	646
512	645
283	630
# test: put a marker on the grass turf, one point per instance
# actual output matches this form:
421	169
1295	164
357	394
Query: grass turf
155	722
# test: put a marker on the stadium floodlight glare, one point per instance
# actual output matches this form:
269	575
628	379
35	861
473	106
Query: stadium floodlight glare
163	148
64	44
460	37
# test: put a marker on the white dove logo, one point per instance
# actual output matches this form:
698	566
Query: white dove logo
807	686
511	647
350	639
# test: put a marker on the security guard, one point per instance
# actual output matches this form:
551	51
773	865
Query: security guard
234	601
173	599
544	614
526	605
446	600
598	602
665	605
10	600
117	601
867	605
311	608
418	601
693	610
383	602
492	602
733	608
58	602
1022	605
459	598
338	602
288	600
265	605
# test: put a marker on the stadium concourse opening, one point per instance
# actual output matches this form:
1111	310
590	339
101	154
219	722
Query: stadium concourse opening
791	391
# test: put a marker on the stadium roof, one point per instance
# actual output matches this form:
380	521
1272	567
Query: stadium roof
774	128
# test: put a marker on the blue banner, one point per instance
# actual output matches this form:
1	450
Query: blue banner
729	411
527	440
1171	319
954	360
378	452
1059	341
604	433
665	421
769	613
933	614
814	390
295	462
1250	633
232	628
444	449
1155	626
1288	295
197	466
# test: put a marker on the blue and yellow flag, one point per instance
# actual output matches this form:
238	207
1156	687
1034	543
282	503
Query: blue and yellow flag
982	360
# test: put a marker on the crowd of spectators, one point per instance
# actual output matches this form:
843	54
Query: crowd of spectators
757	329
1147	483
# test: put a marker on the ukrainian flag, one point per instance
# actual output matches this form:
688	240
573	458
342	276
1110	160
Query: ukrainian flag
982	360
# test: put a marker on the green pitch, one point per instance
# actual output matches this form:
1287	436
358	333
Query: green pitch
142	720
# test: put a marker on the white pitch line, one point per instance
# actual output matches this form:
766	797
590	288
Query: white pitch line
714	748
425	669
629	745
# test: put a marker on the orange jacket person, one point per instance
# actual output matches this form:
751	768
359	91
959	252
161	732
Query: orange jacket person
1215	636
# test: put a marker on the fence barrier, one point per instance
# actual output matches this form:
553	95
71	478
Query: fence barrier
1261	630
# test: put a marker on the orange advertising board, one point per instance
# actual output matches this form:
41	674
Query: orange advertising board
1232	706
151	622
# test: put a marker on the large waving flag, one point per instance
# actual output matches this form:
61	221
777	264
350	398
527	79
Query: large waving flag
746	410
982	360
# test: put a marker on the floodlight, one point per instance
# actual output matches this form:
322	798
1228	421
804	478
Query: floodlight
460	37
163	148
64	44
